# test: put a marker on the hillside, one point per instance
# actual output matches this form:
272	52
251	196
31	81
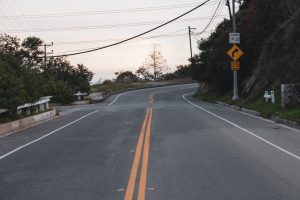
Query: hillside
270	39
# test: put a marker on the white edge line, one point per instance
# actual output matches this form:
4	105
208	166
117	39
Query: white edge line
44	136
249	132
260	118
117	97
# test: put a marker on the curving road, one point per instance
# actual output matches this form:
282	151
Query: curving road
154	144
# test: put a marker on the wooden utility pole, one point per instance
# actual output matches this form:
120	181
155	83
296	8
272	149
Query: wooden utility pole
46	53
191	50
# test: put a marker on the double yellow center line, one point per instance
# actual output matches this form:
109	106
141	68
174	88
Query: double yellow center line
143	144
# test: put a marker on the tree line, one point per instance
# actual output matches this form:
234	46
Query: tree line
154	68
25	77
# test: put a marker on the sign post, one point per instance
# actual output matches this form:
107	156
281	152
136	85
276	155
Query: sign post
235	81
235	53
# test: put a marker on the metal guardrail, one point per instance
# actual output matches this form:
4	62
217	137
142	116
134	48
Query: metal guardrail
43	100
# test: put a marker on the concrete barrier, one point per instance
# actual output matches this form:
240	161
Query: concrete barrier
25	122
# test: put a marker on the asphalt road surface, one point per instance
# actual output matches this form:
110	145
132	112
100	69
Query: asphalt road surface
154	144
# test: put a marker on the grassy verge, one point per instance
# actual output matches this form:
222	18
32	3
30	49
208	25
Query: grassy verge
266	109
115	87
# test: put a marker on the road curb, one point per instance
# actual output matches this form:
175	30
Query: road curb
21	124
254	113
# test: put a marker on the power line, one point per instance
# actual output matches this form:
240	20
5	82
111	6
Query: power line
214	23
107	26
72	14
197	39
6	10
34	23
140	38
136	36
212	19
112	40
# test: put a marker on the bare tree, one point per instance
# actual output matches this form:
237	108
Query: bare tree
155	63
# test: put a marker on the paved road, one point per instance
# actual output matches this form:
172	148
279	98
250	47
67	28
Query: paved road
153	144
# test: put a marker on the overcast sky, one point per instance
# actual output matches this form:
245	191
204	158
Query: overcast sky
84	24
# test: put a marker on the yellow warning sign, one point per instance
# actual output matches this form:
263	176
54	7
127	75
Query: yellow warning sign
235	65
235	52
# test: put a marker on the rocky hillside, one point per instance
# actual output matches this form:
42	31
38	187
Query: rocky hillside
270	38
279	60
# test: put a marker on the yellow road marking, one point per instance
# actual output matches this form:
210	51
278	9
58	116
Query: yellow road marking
143	176
134	169
143	142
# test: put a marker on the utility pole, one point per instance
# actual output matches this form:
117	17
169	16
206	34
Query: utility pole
228	4
235	77
191	51
46	53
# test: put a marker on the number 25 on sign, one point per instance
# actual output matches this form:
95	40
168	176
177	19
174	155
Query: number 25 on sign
235	65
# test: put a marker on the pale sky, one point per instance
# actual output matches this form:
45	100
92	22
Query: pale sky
84	24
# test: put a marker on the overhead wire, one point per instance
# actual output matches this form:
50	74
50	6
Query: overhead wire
212	19
22	6
5	9
116	11
220	11
111	40
138	39
168	35
136	36
107	26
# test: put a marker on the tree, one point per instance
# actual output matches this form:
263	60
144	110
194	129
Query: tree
183	71
83	77
156	63
126	76
31	53
144	74
60	90
12	90
24	78
78	78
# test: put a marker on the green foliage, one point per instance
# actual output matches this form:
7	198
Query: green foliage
183	71
259	105
256	21
169	76
12	90
60	90
24	77
107	82
78	78
116	87
127	77
144	74
211	65
291	114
